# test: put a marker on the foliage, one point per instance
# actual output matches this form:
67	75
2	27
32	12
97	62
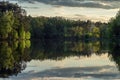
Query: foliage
114	26
61	28
13	55
14	23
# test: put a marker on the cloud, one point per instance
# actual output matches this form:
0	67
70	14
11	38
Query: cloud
104	4
30	7
85	17
101	72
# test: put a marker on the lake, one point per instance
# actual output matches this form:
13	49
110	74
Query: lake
59	60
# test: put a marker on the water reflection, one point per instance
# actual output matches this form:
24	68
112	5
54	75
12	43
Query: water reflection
58	50
114	53
14	55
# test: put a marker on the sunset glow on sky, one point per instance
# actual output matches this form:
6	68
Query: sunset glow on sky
95	10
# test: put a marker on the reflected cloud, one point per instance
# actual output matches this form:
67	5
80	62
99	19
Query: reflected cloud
102	72
30	7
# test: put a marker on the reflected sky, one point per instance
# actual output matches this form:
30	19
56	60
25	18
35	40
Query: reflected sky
72	68
95	10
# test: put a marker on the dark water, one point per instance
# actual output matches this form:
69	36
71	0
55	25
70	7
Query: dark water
59	60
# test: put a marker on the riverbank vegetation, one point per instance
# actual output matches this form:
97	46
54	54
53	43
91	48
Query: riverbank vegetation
60	28
15	24
52	38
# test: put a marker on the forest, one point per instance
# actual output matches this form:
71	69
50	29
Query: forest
23	38
15	24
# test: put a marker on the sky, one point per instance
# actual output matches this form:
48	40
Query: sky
95	10
72	68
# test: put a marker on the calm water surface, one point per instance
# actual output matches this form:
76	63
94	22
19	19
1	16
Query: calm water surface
59	60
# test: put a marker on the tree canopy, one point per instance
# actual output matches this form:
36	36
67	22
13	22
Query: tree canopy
14	23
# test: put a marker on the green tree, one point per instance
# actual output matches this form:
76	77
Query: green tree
96	32
6	23
27	35
14	24
114	26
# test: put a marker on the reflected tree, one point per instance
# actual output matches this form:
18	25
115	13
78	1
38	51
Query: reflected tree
59	49
114	53
13	58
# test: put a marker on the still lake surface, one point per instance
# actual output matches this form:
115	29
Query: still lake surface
59	60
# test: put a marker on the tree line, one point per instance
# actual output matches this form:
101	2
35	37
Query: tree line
59	28
15	24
